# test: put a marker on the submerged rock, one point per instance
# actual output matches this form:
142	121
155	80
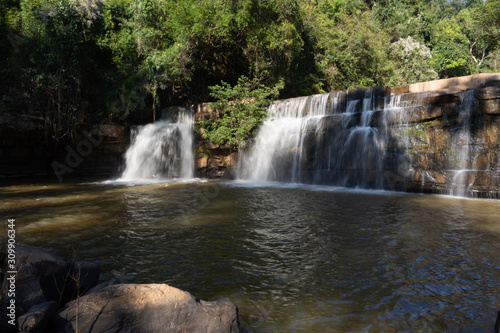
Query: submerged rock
146	308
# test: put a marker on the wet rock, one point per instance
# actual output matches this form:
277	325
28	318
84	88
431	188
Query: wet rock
399	90
441	99
491	92
37	318
217	165
490	107
146	308
40	278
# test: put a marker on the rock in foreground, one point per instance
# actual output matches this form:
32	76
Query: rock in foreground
42	276
146	308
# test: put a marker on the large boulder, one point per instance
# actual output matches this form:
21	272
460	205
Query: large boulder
146	308
41	275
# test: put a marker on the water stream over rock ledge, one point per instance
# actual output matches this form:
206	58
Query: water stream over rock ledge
436	137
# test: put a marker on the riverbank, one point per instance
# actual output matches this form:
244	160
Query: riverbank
46	293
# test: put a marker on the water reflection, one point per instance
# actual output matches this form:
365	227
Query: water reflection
291	257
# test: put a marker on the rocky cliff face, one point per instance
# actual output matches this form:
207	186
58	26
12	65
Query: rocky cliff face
439	137
212	160
450	140
26	148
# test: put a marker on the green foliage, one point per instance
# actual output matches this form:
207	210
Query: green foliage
482	27
58	54
240	109
412	61
76	61
450	49
490	15
354	52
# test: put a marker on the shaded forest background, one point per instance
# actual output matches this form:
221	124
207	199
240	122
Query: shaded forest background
78	61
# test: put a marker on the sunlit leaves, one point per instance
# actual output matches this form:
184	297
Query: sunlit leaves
354	53
240	109
412	60
450	49
152	53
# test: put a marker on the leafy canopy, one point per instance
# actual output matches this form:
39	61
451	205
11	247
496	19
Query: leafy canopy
240	109
76	61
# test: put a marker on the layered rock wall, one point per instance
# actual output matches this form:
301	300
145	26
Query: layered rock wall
440	137
26	148
449	138
430	146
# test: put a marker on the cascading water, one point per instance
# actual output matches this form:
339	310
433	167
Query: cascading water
426	141
333	139
161	150
363	138
277	150
355	154
462	147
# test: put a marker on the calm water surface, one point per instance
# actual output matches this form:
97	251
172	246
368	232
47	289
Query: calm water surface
292	258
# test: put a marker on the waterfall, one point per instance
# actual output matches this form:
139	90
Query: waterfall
421	141
462	180
161	150
336	139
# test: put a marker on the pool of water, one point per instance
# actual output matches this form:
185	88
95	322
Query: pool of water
292	257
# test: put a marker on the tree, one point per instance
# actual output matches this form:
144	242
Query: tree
477	31
76	61
485	33
59	44
412	61
461	44
9	42
450	49
353	51
240	110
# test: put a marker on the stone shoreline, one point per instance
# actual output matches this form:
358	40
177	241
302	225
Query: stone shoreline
54	295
